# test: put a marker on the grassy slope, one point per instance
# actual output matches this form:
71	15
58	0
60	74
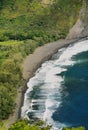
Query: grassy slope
27	24
28	18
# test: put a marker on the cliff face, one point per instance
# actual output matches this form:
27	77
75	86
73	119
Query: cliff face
80	29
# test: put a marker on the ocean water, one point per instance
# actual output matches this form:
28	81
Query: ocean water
58	93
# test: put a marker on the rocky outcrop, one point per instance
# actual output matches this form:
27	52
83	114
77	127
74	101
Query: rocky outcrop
76	31
80	29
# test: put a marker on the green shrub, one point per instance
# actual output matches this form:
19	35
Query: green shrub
6	102
25	125
75	128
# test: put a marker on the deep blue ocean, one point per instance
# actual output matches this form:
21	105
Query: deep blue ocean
74	107
58	93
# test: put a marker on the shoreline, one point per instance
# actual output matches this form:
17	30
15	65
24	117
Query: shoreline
35	60
41	54
31	64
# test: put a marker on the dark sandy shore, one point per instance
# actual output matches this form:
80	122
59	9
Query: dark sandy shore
41	54
34	61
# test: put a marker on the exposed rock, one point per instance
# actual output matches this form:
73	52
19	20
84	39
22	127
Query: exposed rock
76	31
80	29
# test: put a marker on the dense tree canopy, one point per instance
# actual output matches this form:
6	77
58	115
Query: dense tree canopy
6	101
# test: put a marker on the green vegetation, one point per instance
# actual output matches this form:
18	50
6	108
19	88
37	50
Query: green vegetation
25	25
25	125
27	19
73	128
12	55
36	125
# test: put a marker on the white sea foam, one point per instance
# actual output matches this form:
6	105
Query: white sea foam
50	81
65	58
50	105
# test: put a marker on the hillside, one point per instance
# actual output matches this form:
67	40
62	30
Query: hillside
28	19
25	25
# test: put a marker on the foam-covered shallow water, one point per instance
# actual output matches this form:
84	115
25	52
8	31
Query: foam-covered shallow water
58	93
